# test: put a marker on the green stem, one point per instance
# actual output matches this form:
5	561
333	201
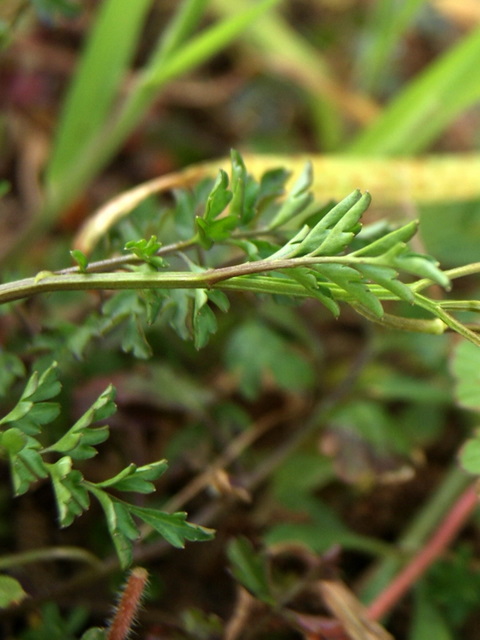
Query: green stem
461	305
70	281
240	277
42	555
437	310
452	274
101	266
418	325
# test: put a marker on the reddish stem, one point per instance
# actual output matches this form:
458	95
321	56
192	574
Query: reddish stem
446	532
128	605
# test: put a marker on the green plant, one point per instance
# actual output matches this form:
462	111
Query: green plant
301	411
30	461
292	248
328	257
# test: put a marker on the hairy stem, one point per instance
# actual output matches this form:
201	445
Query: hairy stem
129	604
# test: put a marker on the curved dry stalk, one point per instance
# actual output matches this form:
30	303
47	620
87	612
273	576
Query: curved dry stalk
394	182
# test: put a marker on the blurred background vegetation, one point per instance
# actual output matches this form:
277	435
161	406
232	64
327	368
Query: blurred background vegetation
313	431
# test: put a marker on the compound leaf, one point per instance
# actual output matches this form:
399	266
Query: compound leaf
31	411
172	526
78	440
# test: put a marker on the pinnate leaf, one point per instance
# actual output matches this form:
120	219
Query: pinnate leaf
78	440
332	233
43	387
308	278
31	411
341	233
388	241
146	250
401	258
204	321
172	526
218	199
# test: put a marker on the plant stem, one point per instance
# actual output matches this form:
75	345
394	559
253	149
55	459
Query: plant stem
435	326
453	323
452	274
70	280
47	281
108	264
128	606
452	523
235	277
419	531
49	554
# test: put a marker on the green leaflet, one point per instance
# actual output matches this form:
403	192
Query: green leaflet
172	526
31	411
332	233
250	569
121	525
138	479
26	463
387	278
351	281
299	198
11	592
69	488
385	243
78	440
81	259
123	530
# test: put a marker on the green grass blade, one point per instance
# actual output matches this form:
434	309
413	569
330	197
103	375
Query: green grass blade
388	21
428	104
203	46
184	21
101	70
103	146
